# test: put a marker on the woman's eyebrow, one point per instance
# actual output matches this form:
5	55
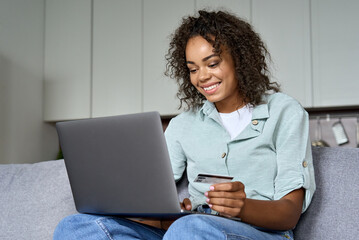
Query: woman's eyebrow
208	57
204	59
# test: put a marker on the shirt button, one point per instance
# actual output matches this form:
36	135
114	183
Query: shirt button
224	155
254	122
305	164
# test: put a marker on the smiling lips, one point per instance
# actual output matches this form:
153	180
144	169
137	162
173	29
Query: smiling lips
211	89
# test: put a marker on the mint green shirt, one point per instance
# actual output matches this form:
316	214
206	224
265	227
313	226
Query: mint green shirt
271	156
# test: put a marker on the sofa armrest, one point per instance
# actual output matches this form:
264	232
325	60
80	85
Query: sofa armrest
334	211
34	198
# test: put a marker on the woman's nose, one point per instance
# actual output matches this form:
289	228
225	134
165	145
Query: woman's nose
204	75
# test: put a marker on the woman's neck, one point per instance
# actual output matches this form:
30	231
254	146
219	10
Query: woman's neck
229	107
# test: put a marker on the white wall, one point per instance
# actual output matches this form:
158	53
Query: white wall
24	137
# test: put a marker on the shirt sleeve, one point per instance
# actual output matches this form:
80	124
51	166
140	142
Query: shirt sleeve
177	156
294	157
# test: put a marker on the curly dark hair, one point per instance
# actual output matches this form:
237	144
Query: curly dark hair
245	46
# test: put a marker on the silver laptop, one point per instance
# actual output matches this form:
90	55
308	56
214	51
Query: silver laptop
120	166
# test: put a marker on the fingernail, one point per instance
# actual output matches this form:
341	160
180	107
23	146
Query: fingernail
211	188
210	205
206	194
207	200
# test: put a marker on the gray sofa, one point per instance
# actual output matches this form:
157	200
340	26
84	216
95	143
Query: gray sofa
35	197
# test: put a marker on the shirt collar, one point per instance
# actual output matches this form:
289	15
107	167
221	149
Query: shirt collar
259	112
207	109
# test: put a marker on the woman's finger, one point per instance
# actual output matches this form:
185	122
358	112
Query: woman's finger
226	202
226	211
228	187
233	195
186	204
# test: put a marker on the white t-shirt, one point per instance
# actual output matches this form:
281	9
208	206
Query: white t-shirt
236	121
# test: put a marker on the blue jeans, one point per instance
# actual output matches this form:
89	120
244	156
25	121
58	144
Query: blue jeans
195	226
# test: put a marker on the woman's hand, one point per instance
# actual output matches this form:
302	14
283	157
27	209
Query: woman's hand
227	198
186	204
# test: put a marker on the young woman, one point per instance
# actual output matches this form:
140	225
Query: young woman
237	124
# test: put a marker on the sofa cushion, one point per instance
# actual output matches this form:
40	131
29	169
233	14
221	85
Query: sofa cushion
34	198
334	211
182	187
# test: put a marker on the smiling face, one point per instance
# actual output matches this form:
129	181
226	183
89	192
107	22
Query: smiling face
213	75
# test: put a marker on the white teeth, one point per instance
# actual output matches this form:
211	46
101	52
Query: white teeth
211	87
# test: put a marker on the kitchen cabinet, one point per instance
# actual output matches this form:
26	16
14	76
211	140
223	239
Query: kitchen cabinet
241	8
159	21
335	52
107	57
92	59
117	57
284	26
67	60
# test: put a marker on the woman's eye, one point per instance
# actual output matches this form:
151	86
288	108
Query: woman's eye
193	70
213	65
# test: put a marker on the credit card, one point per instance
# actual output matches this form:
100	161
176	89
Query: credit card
212	179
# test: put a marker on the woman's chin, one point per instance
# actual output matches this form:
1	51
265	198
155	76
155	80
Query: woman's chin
212	98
